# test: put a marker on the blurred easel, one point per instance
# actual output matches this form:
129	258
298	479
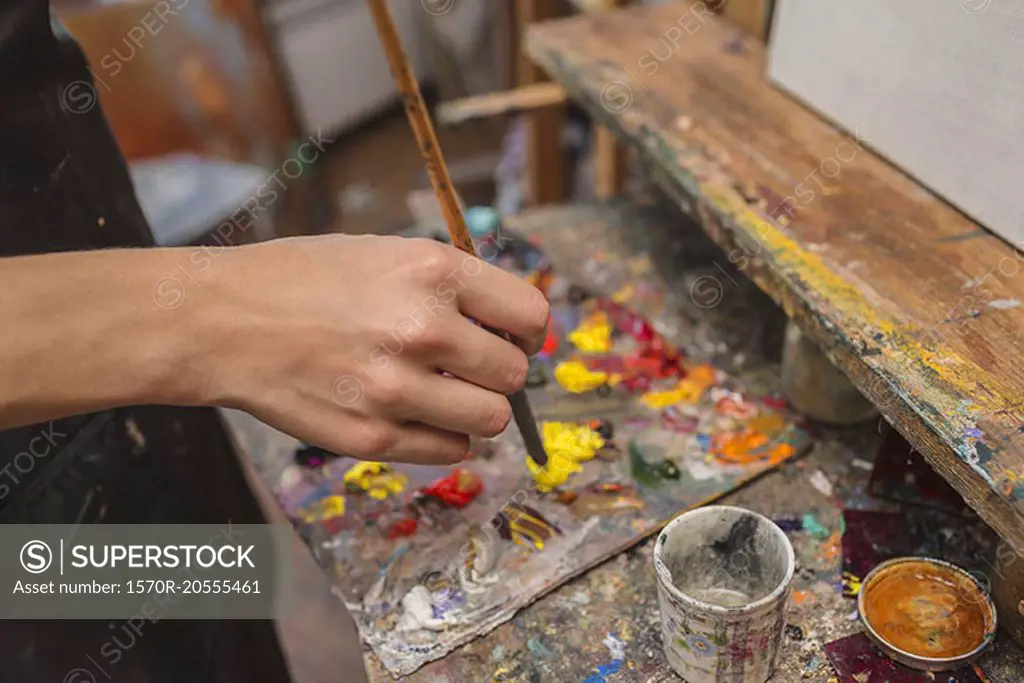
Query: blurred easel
546	173
544	102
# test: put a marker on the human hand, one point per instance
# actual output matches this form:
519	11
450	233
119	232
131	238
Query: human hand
341	341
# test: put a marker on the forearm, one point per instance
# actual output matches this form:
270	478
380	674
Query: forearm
357	344
87	331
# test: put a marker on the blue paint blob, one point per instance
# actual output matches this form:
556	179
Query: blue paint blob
608	669
481	220
704	441
789	524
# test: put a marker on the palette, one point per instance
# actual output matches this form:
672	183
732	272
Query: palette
427	559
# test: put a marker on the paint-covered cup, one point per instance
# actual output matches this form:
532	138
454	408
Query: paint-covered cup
724	575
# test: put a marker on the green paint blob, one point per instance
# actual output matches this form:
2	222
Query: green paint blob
815	528
650	474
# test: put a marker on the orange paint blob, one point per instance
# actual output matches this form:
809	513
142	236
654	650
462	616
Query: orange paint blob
702	375
746	448
832	548
780	452
926	609
736	447
802	597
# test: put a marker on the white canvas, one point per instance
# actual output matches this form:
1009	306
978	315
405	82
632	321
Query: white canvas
937	86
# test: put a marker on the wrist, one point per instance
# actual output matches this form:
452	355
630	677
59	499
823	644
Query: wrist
166	350
193	316
218	323
176	339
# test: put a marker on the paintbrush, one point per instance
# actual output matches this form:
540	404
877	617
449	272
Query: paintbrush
423	129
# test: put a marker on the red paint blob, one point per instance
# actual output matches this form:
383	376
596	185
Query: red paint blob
774	401
402	528
550	342
458	489
653	359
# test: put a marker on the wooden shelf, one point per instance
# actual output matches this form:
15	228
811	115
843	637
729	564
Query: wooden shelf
917	304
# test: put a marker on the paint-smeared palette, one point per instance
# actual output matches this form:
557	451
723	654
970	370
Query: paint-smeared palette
427	560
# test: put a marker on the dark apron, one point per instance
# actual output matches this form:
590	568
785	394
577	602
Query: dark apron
64	186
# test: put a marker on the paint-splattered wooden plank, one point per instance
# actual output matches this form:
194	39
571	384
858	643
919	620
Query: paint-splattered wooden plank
920	306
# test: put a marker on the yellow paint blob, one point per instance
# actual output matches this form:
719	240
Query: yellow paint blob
594	335
576	378
638	265
662	399
624	295
851	584
376	479
688	390
323	509
567	445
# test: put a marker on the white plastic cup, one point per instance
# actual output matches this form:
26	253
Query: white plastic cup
724	576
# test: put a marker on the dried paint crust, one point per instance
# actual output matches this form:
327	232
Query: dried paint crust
870	265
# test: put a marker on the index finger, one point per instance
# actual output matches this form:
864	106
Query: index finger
501	300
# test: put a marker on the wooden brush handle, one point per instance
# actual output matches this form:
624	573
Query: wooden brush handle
422	128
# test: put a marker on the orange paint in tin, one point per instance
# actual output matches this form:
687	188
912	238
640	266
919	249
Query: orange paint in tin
927	613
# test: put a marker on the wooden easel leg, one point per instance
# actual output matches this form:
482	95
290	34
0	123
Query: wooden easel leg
609	156
545	162
609	164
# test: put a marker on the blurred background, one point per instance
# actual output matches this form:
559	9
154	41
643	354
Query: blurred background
211	99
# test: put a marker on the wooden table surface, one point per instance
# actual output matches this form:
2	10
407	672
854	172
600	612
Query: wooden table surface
565	636
917	304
